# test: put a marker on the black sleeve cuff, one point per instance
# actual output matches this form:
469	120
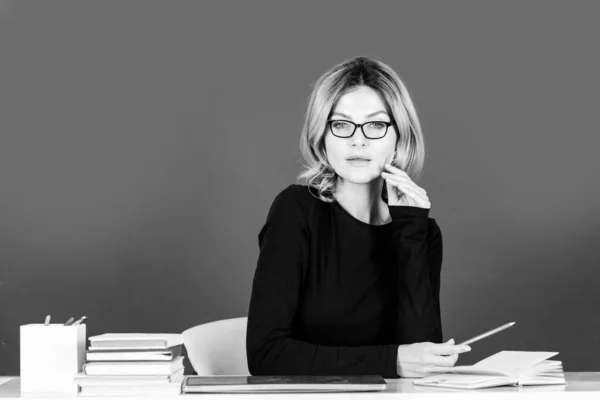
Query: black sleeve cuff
391	364
408	211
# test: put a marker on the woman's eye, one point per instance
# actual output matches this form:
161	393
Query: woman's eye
339	124
378	125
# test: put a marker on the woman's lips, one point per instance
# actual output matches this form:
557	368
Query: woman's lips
358	162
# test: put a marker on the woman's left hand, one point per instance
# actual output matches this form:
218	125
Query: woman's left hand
402	191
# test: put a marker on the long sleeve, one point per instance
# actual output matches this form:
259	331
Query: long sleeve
419	255
435	249
271	346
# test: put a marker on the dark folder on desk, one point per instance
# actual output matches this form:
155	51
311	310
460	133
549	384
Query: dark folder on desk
283	384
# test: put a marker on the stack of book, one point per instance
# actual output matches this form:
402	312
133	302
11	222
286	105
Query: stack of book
132	364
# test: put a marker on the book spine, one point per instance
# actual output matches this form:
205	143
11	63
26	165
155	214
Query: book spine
97	369
133	368
107	344
128	357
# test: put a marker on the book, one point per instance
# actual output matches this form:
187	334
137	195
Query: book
282	383
514	368
134	355
150	391
135	341
133	367
115	380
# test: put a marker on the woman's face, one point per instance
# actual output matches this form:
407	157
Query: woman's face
360	106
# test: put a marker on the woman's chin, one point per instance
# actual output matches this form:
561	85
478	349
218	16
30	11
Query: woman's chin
359	179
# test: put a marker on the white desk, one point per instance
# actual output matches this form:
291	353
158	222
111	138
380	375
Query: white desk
580	385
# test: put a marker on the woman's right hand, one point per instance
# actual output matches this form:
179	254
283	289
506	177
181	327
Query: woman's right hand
415	360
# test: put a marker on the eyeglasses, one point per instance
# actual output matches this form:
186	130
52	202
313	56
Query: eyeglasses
371	130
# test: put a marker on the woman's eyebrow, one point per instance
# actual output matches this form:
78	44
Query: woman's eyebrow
368	116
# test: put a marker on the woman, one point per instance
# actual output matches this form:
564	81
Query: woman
348	275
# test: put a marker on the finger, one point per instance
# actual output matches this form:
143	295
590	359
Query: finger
447	349
397	172
401	197
393	194
404	180
406	189
443	361
425	371
410	191
395	169
400	173
431	369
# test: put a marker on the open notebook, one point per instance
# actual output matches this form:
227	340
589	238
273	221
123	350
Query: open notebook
501	369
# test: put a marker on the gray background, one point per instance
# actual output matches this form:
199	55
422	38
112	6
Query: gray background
142	143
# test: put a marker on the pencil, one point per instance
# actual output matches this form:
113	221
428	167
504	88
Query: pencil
79	321
488	333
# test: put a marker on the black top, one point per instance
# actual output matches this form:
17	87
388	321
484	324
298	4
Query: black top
334	295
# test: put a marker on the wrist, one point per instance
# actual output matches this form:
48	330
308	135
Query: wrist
398	357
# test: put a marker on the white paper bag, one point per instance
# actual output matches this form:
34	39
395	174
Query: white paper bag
50	356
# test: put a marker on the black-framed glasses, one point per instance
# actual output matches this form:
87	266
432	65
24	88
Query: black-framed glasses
372	129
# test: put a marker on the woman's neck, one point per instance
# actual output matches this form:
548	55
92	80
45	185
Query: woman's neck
363	201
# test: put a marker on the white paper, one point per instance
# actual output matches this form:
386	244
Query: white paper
503	363
135	336
3	380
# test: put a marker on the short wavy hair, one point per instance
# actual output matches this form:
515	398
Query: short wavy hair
339	80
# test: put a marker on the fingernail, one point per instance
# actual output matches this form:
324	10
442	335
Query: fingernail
451	340
466	348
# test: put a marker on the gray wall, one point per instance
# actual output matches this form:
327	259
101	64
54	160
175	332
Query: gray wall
142	143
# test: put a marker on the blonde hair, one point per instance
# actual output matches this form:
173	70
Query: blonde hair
339	80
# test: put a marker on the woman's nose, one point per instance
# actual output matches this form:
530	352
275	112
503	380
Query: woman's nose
358	139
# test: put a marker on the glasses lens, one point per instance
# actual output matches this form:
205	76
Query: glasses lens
375	130
341	128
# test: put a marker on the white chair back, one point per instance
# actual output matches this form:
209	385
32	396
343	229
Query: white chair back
218	348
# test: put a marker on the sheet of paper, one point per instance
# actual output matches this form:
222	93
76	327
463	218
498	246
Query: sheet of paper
134	336
514	362
4	379
464	380
507	363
